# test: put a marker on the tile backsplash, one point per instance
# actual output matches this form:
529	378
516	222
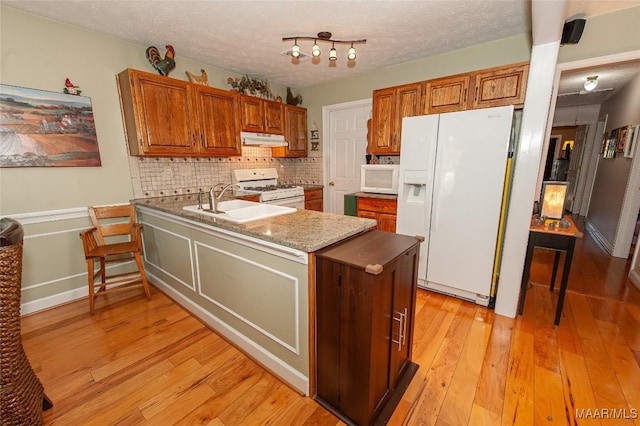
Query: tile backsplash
161	176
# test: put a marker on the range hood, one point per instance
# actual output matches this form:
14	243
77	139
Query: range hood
262	139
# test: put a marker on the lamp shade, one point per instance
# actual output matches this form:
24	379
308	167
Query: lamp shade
333	55
554	194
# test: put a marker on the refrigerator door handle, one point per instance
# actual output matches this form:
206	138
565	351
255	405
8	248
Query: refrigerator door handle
431	217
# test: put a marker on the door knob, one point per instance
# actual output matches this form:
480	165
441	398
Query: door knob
332	183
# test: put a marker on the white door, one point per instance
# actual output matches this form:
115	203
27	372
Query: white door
345	151
574	166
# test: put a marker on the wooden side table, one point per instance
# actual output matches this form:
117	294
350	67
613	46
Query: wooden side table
558	239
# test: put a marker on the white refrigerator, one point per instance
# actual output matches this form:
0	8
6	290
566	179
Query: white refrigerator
451	184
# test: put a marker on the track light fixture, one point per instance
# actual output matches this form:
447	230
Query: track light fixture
591	83
324	36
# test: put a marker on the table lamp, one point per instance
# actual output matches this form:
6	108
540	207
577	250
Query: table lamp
554	194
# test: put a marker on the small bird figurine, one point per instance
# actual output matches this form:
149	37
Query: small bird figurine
201	79
163	66
70	88
293	100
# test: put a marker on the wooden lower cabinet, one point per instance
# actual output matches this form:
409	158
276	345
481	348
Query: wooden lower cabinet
383	210
313	199
365	300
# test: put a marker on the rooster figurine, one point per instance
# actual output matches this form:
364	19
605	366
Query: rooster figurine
164	66
198	79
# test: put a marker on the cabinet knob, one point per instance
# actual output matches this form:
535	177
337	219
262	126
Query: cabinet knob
332	183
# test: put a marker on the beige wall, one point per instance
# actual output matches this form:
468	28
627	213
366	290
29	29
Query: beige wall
612	175
39	53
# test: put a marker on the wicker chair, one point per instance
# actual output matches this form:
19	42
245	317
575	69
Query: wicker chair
22	396
114	238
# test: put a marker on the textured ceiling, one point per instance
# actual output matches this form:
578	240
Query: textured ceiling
246	36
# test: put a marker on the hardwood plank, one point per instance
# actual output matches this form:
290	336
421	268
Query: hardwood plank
493	376
549	402
577	388
443	367
456	407
519	394
480	416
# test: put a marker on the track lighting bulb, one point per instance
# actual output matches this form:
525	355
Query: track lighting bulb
333	55
352	54
315	50
295	50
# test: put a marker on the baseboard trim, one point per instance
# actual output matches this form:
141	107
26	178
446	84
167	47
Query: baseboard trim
54	300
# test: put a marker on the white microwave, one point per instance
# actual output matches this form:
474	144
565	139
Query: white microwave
379	178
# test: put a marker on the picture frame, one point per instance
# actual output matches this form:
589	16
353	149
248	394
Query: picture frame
631	141
552	199
39	128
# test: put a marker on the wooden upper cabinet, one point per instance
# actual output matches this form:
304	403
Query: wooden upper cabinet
219	122
168	117
295	133
500	86
261	116
381	134
273	118
158	113
446	94
390	106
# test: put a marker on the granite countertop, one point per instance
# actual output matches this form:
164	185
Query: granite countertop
304	230
375	195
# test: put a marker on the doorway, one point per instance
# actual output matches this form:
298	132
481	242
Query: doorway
346	128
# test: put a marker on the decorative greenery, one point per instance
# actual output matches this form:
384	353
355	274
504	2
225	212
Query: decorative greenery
255	87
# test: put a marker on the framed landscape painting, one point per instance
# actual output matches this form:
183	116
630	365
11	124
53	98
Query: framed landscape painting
39	128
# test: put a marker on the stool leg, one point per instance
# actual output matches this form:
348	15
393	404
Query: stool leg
90	273
143	276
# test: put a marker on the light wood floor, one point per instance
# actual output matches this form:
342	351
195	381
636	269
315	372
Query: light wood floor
150	362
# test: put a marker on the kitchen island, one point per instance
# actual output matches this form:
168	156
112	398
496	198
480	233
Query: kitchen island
253	283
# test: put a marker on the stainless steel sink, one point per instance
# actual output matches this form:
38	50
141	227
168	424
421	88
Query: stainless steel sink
240	211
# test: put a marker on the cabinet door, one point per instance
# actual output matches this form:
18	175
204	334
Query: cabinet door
408	104
313	200
273	118
252	111
386	222
500	86
160	113
295	133
382	122
404	293
446	94
219	123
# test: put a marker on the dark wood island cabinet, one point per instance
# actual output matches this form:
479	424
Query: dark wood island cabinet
365	299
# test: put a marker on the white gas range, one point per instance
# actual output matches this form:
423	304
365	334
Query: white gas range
264	182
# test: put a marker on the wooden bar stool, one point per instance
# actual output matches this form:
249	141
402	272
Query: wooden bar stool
114	238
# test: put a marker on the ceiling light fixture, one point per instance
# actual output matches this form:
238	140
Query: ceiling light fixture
324	36
591	83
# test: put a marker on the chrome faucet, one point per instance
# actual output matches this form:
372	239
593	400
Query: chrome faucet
213	198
